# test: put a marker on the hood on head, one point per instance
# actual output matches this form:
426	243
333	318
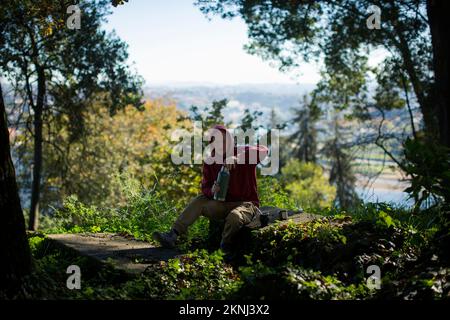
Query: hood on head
222	128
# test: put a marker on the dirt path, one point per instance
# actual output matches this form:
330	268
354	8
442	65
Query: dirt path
130	255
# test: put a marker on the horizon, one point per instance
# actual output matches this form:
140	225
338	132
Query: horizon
223	84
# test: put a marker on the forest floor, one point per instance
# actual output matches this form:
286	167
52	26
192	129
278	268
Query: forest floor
332	257
128	254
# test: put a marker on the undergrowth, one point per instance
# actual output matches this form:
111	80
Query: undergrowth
327	258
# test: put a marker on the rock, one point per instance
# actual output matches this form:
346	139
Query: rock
273	215
130	255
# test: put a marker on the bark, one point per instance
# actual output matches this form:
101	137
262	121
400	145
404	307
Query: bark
37	163
14	250
439	25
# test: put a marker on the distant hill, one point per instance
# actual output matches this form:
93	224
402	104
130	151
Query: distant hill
262	97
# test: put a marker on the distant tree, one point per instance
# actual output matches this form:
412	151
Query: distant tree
341	171
250	120
274	120
61	71
276	123
131	142
211	115
306	135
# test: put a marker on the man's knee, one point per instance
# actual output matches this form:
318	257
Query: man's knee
214	210
234	218
233	223
198	204
200	199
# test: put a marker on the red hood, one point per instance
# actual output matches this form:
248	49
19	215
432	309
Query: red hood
223	129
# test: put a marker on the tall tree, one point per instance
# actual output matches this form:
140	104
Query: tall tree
211	115
305	137
341	171
60	70
14	249
249	120
15	254
439	25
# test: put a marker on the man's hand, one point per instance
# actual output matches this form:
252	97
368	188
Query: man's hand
215	188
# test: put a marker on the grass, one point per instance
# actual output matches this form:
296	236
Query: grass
144	213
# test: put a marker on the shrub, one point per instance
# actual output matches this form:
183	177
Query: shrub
271	193
144	212
307	184
290	282
428	164
197	275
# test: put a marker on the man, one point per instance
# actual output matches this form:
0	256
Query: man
241	203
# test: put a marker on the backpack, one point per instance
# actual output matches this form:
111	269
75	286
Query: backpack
268	215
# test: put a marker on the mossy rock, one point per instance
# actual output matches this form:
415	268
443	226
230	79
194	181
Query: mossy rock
270	216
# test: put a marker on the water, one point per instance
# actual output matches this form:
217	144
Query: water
397	197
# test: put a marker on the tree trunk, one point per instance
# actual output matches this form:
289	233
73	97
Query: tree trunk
14	250
37	163
439	25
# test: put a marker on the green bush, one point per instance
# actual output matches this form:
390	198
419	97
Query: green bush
144	212
307	184
338	246
289	282
197	275
428	164
271	193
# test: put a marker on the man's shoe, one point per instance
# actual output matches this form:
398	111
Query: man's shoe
229	254
166	239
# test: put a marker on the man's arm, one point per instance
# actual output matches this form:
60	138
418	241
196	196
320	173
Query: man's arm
252	154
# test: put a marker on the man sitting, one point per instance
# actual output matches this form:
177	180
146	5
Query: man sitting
241	203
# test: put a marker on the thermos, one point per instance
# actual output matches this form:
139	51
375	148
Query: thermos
222	181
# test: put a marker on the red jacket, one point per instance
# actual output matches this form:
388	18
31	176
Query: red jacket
242	185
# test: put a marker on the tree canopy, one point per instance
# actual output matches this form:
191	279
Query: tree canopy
56	70
335	32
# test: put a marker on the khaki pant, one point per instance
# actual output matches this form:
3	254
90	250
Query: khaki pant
235	214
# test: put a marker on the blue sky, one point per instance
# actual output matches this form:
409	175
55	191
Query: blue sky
171	41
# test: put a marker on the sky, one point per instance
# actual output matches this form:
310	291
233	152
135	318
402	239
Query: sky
172	42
